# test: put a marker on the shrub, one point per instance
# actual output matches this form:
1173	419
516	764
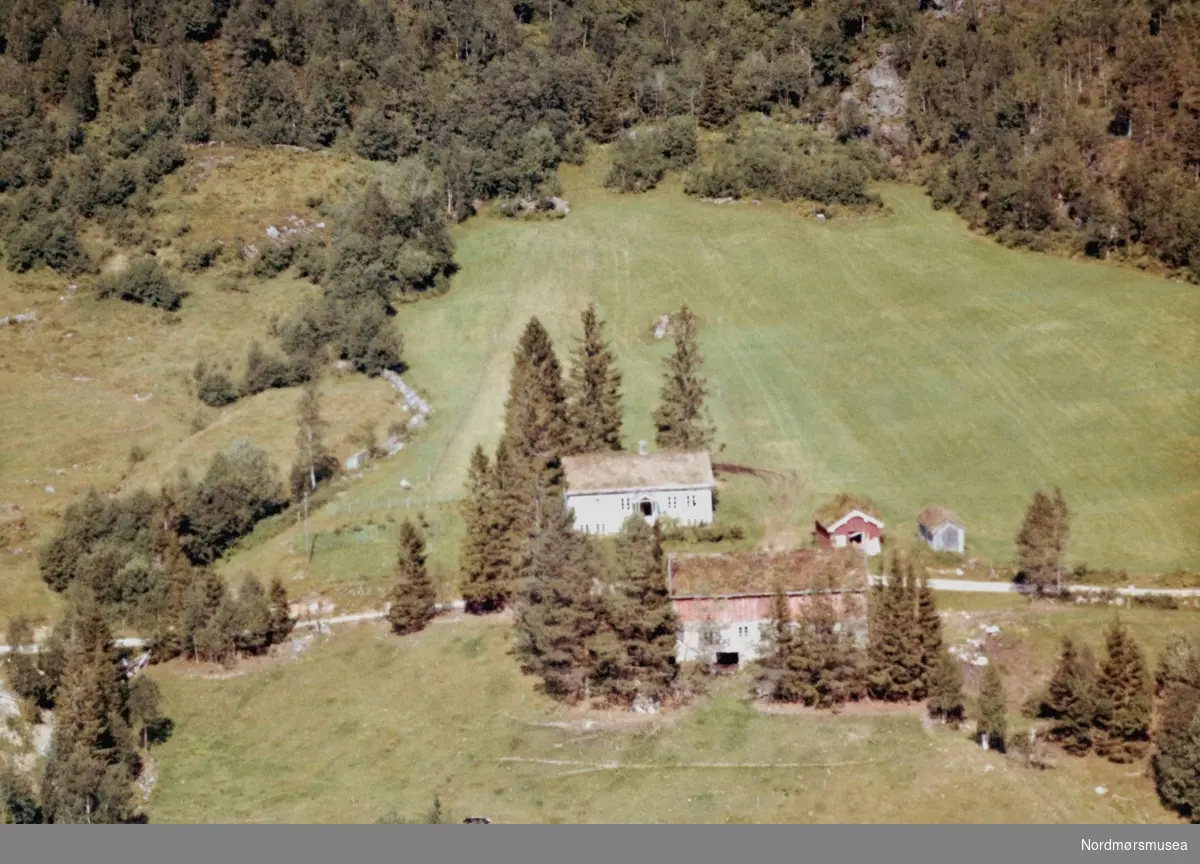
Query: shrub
48	238
264	372
273	260
788	163
213	386
198	258
641	157
162	157
144	282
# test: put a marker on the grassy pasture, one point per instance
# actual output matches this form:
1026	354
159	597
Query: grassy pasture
365	725
898	356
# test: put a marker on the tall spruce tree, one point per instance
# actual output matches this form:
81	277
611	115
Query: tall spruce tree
413	598
681	418
718	102
92	762
1124	705
824	671
929	634
593	391
556	609
993	709
1042	541
946	690
1071	699
485	560
529	469
642	620
1176	761
894	652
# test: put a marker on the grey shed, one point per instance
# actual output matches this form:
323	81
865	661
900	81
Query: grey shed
942	530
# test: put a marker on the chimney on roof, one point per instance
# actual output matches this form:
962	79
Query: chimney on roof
643	448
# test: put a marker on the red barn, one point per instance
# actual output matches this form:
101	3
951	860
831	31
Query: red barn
848	521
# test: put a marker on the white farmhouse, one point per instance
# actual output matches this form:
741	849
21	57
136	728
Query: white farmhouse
605	489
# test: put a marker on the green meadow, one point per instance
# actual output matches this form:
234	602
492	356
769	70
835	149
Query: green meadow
895	355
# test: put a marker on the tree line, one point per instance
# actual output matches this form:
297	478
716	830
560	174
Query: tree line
1047	123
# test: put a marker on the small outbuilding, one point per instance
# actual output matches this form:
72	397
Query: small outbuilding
605	489
847	520
942	530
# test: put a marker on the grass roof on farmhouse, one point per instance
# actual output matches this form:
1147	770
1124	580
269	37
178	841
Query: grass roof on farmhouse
706	575
932	517
602	472
841	504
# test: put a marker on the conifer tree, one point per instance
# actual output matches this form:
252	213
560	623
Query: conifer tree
90	767
1071	699
593	391
556	610
894	671
1123	698
411	602
217	640
535	437
81	88
681	418
777	644
718	104
484	559
639	612
18	803
281	616
824	670
1176	761
929	634
252	633
1176	666
946	690
993	709
1042	541
21	669
144	699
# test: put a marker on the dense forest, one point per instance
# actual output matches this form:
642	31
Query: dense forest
1065	122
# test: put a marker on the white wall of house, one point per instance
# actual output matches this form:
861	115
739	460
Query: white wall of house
606	512
702	641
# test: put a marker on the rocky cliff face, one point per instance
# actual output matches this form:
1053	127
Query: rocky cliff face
887	95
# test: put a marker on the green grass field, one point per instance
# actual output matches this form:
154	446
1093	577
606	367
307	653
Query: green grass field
897	356
900	356
365	725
